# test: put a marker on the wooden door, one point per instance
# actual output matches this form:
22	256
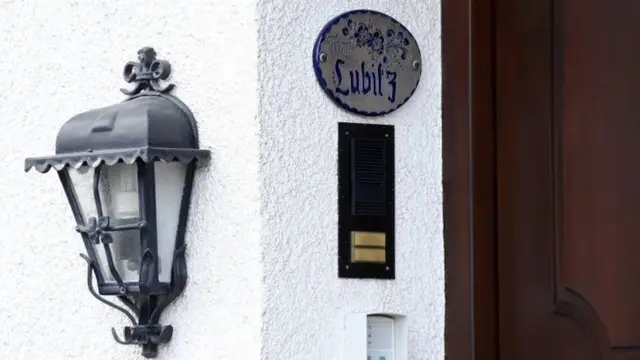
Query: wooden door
567	111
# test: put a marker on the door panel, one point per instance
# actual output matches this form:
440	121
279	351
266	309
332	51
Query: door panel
568	173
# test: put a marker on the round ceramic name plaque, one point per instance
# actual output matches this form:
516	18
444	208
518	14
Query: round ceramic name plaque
367	62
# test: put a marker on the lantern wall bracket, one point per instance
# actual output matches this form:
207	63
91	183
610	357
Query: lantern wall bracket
145	330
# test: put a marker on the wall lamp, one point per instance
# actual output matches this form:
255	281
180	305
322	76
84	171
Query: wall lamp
128	170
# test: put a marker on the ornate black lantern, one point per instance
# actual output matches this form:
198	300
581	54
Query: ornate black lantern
127	171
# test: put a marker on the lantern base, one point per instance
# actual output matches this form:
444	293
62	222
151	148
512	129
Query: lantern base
145	331
148	336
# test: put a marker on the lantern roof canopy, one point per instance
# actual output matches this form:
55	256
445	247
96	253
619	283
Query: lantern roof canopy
149	127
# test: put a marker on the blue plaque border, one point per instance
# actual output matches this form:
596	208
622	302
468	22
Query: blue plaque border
323	83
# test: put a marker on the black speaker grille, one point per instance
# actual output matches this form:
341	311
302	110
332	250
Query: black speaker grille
369	174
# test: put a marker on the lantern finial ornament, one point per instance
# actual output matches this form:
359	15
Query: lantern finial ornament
146	72
127	171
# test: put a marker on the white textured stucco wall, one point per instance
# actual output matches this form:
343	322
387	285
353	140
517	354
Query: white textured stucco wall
262	235
304	300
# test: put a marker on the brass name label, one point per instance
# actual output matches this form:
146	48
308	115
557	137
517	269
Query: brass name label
368	247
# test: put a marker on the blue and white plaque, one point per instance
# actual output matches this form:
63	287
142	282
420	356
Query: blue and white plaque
367	62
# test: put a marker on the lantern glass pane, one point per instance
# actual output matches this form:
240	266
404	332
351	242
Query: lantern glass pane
170	179
118	189
120	201
82	182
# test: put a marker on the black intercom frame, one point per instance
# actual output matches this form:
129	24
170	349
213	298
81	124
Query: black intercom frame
348	221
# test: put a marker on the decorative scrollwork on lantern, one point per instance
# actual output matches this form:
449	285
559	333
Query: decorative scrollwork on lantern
97	228
149	336
146	72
